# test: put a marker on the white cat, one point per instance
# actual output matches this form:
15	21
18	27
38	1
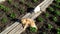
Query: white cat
37	9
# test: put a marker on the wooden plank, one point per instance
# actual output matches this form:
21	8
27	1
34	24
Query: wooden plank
16	29
10	28
47	5
43	7
26	16
42	3
36	15
19	31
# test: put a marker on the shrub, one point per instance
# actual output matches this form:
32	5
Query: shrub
35	1
47	14
57	5
16	5
51	9
2	6
21	10
22	1
33	29
9	1
4	20
58	1
40	19
57	12
44	33
12	15
58	30
55	19
50	26
29	5
6	9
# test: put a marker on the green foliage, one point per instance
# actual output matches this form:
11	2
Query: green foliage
40	19
16	5
57	12
2	6
51	9
50	26
55	19
58	1
4	20
23	1
33	29
9	1
44	32
58	30
57	5
29	4
35	1
6	9
22	11
12	15
47	14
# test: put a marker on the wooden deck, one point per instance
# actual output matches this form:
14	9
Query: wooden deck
17	27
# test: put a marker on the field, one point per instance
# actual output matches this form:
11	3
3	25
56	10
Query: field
13	10
48	22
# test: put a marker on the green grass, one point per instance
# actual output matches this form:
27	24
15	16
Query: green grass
6	9
51	9
50	26
44	32
47	14
57	5
35	1
55	19
2	6
4	20
9	1
22	11
57	12
12	15
29	4
58	30
16	5
40	19
58	1
22	1
33	29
